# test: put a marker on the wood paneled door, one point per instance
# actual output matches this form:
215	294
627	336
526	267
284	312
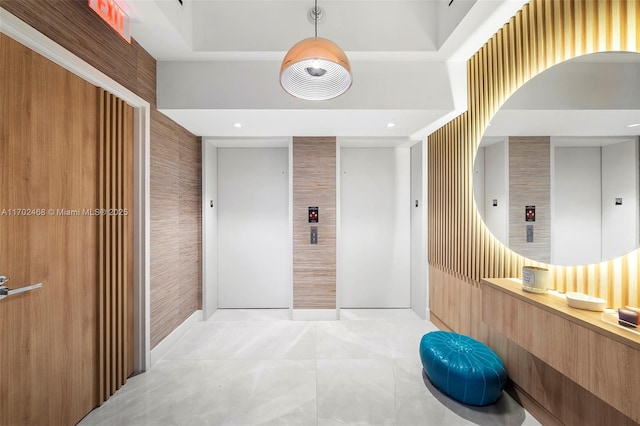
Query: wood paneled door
49	233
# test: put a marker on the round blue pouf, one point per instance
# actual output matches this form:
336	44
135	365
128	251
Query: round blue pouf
463	368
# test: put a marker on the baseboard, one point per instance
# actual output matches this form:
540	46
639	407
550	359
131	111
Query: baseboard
438	322
534	408
166	343
314	314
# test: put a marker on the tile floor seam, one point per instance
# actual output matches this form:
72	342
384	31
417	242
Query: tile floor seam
342	357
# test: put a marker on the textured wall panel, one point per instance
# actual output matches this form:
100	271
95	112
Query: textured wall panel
176	221
189	267
530	185
77	28
314	184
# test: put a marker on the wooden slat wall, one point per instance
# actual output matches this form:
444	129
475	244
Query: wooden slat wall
542	34
462	250
314	184
115	244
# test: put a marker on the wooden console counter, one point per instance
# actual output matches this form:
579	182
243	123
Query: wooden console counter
599	356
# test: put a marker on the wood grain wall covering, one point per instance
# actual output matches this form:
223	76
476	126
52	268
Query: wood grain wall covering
530	185
176	222
314	184
77	28
115	244
73	25
598	357
461	249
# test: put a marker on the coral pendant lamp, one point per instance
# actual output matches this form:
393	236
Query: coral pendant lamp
315	69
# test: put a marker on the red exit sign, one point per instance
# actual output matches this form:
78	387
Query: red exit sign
114	15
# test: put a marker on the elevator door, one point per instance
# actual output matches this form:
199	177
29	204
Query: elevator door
254	243
375	256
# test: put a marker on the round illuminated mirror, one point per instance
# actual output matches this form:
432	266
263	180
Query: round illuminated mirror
557	173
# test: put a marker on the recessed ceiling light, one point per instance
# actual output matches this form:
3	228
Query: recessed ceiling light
391	124
634	125
237	125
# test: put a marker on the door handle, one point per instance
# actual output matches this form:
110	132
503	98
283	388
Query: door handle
6	291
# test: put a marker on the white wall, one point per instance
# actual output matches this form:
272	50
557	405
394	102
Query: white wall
419	295
575	206
209	229
611	86
450	14
181	18
254	260
588	227
619	179
375	228
496	186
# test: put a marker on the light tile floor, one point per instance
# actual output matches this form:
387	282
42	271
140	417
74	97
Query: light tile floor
256	367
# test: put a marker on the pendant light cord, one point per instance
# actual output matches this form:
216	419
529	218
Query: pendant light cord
315	17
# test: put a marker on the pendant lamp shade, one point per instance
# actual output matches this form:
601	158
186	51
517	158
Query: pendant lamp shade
315	69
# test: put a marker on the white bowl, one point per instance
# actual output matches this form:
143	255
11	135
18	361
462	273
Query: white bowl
586	302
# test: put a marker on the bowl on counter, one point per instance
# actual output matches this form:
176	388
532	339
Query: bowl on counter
586	302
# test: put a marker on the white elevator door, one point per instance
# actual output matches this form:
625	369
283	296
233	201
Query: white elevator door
253	228
375	227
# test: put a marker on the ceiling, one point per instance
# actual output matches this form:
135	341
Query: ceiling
586	100
219	61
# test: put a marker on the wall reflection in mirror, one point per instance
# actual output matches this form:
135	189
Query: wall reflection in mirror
556	177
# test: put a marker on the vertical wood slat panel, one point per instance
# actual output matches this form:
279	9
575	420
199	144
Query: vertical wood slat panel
128	185
113	256
102	395
544	33
115	325
120	241
107	247
118	235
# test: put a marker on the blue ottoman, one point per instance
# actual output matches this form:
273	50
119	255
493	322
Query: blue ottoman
462	367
